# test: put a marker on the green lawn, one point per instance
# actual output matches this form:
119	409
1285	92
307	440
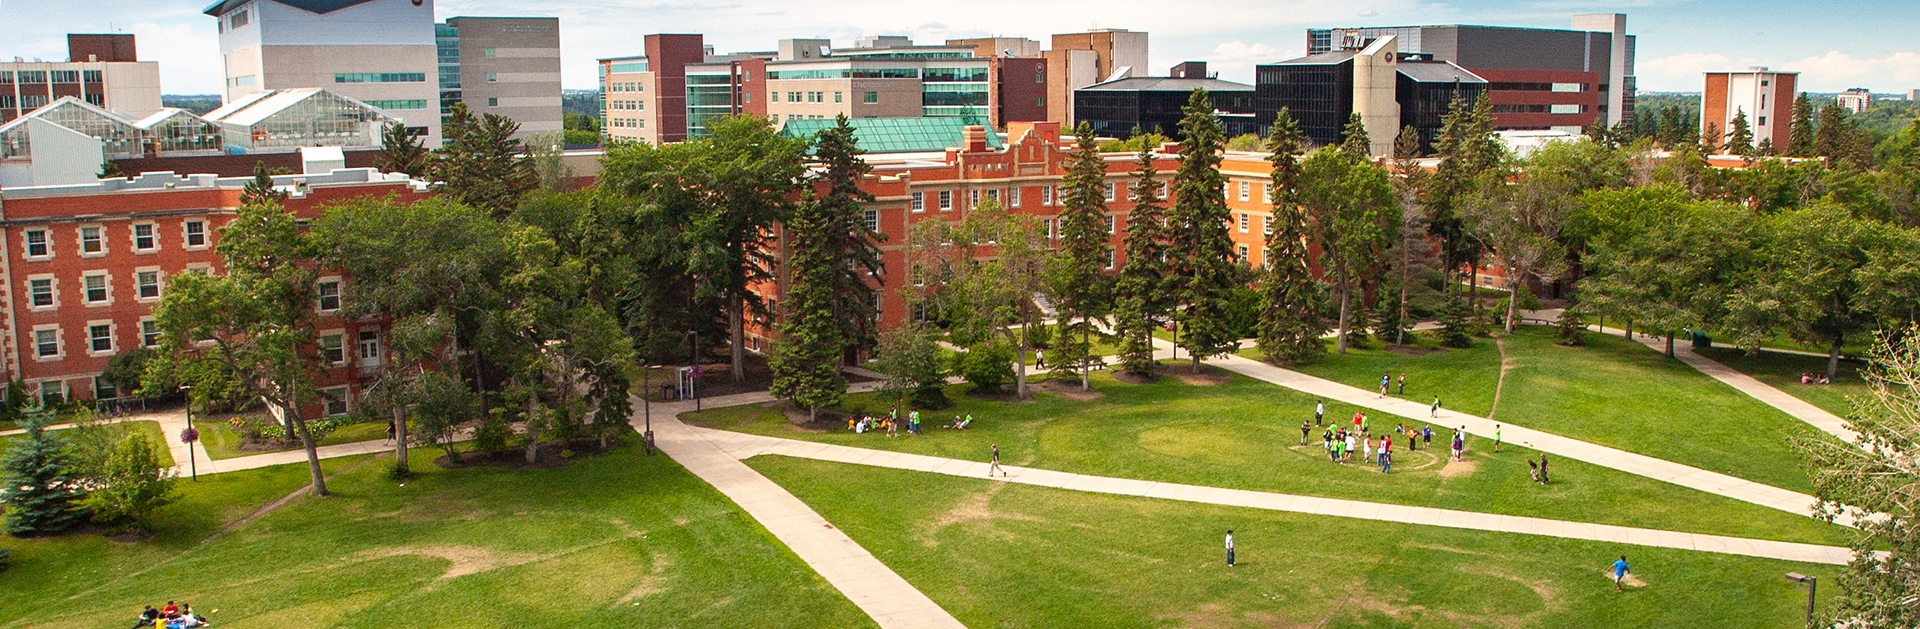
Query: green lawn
624	540
1782	371
150	429
223	442
1246	434
1003	555
1463	378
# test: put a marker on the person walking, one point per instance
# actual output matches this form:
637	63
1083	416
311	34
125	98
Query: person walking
1352	444
1319	412
1459	442
1327	442
913	422
1229	548
1386	462
1435	411
1543	468
1403	384
1496	437
1385	380
995	465
1619	568
1366	449
391	430
1426	435
1304	429
1357	417
1039	359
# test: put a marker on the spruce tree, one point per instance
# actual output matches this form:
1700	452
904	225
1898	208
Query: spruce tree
1469	153
1291	321
41	480
1740	136
1800	130
806	360
1078	287
1354	140
1712	140
1199	243
1571	327
481	164
401	151
1140	303
260	190
857	246
1455	328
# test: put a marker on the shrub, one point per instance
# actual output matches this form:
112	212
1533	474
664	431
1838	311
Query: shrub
491	437
986	367
132	486
1571	327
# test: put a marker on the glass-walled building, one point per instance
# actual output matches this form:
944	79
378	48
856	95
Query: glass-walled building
118	137
1153	105
285	120
178	131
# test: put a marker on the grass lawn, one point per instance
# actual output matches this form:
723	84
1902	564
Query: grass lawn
150	429
223	442
1246	434
623	540
1782	371
1619	393
1003	555
1463	378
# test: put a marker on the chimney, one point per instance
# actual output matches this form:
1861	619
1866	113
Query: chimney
976	137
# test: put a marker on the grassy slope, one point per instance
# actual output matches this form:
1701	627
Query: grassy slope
1016	556
1245	434
223	442
1782	371
619	541
1463	378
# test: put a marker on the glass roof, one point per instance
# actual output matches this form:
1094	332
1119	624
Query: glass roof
896	135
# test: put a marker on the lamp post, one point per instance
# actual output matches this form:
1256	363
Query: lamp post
1813	585
191	435
693	375
646	403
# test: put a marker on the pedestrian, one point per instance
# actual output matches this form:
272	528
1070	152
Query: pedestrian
995	465
1304	429
1619	567
1496	437
913	422
1357	418
1543	468
1386	462
1385	380
1319	411
1435	411
1403	383
1366	449
392	430
1332	453
1426	434
1352	443
1459	442
1229	548
1039	359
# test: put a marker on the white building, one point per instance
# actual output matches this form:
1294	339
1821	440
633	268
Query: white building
379	52
1857	100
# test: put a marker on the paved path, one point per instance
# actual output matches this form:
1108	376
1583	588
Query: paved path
1818	417
1657	469
872	586
743	446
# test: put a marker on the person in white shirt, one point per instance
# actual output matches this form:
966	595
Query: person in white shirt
1229	548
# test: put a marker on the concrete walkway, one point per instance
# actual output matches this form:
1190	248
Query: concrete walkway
1798	408
870	585
743	446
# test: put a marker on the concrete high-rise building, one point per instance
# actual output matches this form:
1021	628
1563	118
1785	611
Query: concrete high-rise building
644	98
1078	60
1766	97
1857	100
1537	78
102	70
381	52
508	66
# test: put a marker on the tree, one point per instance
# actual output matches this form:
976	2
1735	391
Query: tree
1470	156
1522	222
978	297
1807	283
1412	253
1713	140
1354	141
910	358
856	248
401	151
440	403
42	491
1875	480
1829	137
1570	328
1740	136
132	486
1352	216
1664	261
481	164
546	154
1291	321
261	190
1140	302
1202	252
1078	287
806	361
1800	129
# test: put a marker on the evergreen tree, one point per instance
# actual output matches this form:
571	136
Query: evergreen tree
1830	134
1571	327
1411	252
1712	141
1740	137
806	361
1291	322
401	151
1354	140
1800	130
1469	155
260	190
1199	245
1140	302
481	164
1390	322
1078	287
42	484
857	246
1455	329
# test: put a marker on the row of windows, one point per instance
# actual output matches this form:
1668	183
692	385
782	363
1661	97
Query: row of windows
145	238
629	105
628	86
807	97
49	345
412	103
627	123
384	77
96	287
1539	109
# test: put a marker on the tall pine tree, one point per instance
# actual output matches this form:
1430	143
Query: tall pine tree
806	361
1469	153
1740	136
42	484
1800	130
1141	302
857	247
1291	322
1078	288
1199	244
1354	140
481	164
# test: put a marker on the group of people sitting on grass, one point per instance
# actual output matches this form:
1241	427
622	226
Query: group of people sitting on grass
172	616
891	423
1807	378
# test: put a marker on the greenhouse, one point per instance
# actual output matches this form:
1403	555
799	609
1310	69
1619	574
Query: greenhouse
294	118
118	137
172	131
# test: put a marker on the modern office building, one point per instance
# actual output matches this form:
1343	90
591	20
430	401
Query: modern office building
880	78
379	52
1913	95
101	70
1390	90
1765	95
1537	79
999	46
1078	60
509	66
1857	100
645	96
1153	104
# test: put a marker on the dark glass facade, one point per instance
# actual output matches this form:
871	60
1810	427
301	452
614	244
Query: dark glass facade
1319	96
1117	112
1423	105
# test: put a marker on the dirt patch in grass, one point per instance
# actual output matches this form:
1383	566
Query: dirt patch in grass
652	583
1070	390
1209	375
463	560
1128	378
973	509
1455	469
1632	580
800	418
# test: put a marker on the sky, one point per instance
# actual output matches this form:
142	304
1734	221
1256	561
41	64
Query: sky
1835	44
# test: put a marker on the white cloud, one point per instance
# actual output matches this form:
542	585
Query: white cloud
189	55
1837	71
1236	59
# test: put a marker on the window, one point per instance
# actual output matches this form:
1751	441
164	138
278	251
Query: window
335	400
149	333
993	194
489	52
238	20
1051	223
492	78
53	392
100	338
1246	191
37	244
1109	193
95	287
143	238
973	199
329	295
383	77
92	241
196	233
1046	195
1242	252
873	221
919	202
870	98
1763	121
1244	221
369	348
1109	259
104	390
946	200
41	290
1112	224
333	348
148	283
493	102
836	97
46	343
1266	225
1013	197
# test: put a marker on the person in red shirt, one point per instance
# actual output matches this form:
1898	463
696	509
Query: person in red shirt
171	610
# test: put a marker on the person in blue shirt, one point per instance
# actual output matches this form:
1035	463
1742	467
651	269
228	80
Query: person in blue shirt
1619	573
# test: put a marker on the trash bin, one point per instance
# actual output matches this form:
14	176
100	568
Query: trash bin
1702	341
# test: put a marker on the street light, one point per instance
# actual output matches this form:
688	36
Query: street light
1813	585
191	435
693	375
646	438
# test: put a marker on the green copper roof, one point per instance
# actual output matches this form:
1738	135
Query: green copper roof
895	135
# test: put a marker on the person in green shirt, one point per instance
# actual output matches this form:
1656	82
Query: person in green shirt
1496	437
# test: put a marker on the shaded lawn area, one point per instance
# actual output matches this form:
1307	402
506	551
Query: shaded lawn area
1463	378
149	428
223	442
1246	434
622	540
1005	555
1782	371
1619	393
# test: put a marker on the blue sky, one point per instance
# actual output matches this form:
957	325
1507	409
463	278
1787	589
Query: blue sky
1836	44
